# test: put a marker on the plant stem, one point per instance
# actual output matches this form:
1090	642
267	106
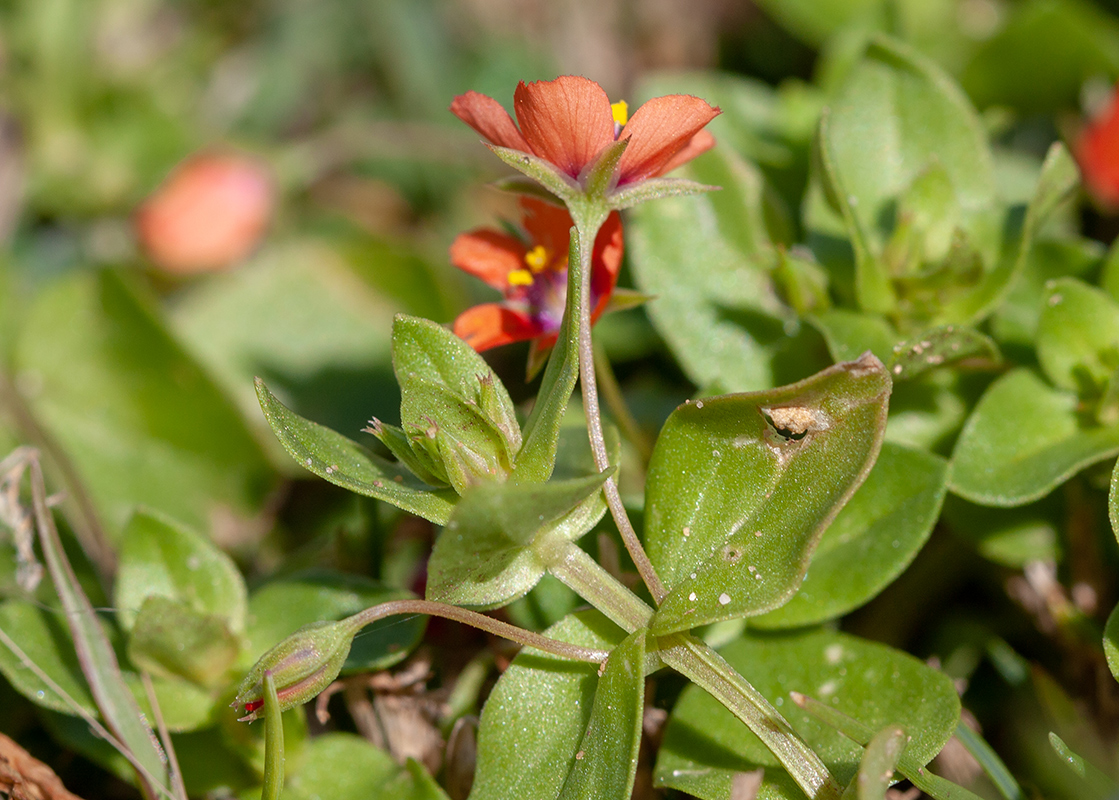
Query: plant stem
590	580
273	742
588	220
695	660
481	621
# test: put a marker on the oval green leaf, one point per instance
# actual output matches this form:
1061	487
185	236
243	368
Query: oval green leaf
705	746
1078	337
606	761
1022	441
161	557
536	717
741	487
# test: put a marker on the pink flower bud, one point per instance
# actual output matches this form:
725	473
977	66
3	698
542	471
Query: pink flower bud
208	214
302	665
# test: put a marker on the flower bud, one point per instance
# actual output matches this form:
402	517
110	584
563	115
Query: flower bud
302	665
209	213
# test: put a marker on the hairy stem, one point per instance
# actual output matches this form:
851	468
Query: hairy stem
480	621
587	224
587	578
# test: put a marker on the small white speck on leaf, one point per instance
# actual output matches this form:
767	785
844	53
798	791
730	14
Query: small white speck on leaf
724	598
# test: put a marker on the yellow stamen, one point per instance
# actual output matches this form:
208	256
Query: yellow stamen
520	277
621	112
537	258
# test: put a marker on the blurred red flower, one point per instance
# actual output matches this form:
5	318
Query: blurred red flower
570	120
208	214
1097	150
532	275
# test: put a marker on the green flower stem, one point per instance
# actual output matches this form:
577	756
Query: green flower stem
588	217
273	742
590	580
695	660
481	621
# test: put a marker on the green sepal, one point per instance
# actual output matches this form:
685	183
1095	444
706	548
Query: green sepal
654	189
600	175
418	460
544	172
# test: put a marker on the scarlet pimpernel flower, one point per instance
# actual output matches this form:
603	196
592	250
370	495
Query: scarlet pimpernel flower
532	274
567	127
1097	150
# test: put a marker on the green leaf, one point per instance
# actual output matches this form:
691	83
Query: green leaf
872	540
159	557
1078	337
741	487
280	608
860	733
937	347
1024	439
138	419
347	464
1110	642
705	746
536	717
1015	320
725	323
851	333
487	555
170	638
42	635
185	706
344	766
422	349
606	762
95	652
655	189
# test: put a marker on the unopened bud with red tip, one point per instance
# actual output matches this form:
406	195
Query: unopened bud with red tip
302	665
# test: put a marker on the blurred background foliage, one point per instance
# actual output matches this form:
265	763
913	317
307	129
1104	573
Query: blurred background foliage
135	377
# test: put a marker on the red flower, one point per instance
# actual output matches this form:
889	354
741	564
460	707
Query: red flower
533	276
569	121
210	213
1097	150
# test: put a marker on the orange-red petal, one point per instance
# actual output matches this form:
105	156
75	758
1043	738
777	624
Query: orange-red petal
492	324
489	255
607	261
547	225
1097	150
658	131
489	118
566	122
700	143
